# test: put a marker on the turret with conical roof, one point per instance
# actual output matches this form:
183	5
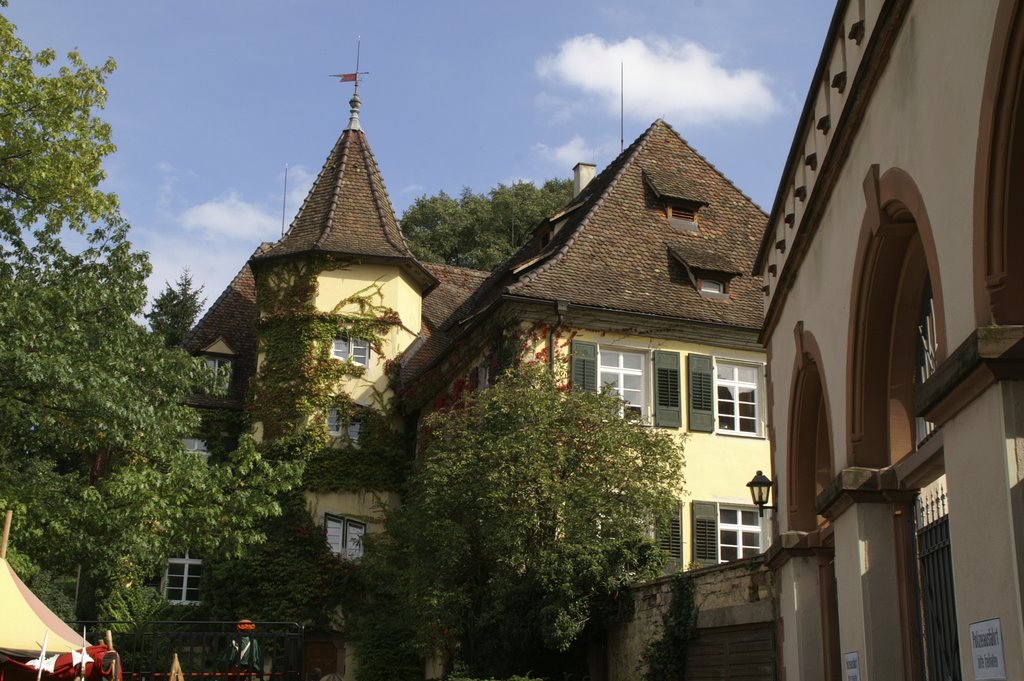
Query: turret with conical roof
348	213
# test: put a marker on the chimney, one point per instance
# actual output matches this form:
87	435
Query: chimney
582	174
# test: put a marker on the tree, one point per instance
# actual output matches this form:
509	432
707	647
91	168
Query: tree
92	405
175	310
478	230
530	506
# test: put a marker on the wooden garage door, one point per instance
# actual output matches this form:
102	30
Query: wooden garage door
745	653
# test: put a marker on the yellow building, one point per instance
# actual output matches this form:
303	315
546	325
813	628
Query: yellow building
642	283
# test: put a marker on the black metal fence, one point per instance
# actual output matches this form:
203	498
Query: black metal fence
938	607
204	649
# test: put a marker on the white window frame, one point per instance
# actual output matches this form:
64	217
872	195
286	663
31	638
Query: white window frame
188	574
356	350
338	428
621	371
739	528
736	385
344	535
194	445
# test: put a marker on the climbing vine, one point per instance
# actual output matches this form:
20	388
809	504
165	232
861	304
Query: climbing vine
299	378
665	658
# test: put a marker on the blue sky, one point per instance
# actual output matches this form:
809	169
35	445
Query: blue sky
212	98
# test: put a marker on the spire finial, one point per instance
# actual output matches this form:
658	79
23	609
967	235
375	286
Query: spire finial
355	102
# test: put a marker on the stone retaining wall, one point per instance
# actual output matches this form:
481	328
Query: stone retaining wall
738	593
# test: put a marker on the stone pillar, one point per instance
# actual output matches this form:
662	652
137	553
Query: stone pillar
800	610
868	586
982	446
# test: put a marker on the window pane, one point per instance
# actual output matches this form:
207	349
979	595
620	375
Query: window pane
333	529
746	374
747	395
610	358
748	410
748	426
729	553
750	552
340	349
752	539
632	360
610	379
729	537
726	423
353	431
354	540
750	519
728	516
726	372
632	382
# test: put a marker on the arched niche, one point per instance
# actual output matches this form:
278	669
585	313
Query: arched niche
999	175
810	466
896	297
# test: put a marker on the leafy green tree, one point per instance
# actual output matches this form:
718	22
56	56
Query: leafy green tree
91	403
175	310
480	230
529	508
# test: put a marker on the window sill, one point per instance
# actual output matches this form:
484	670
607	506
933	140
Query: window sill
745	436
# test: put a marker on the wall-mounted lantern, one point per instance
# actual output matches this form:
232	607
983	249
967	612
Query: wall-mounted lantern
760	492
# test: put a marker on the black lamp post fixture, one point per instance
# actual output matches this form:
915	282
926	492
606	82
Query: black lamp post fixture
760	490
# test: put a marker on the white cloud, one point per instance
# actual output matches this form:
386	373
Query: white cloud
231	217
576	150
679	80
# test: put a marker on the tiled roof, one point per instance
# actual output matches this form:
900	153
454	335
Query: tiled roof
613	252
448	301
694	253
232	317
347	211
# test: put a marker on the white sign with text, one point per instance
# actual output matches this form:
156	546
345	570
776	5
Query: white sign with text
987	651
851	666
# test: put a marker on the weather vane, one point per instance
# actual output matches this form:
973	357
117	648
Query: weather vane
354	76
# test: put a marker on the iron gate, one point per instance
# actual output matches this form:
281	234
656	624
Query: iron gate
938	606
147	649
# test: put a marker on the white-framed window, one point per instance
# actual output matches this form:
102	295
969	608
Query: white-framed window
338	426
739	533
738	398
194	445
344	536
181	581
355	349
724	532
624	372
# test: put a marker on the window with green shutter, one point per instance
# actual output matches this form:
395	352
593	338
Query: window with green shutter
705	532
701	403
584	366
671	540
667	411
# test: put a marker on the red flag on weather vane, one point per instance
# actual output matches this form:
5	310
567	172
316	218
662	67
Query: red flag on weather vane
346	77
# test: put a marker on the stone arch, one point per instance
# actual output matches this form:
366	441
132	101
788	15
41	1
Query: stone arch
897	263
999	173
810	435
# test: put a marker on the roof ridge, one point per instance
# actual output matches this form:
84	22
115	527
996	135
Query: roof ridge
265	245
373	172
627	156
712	166
460	268
340	165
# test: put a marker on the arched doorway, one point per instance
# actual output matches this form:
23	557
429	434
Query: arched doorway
897	338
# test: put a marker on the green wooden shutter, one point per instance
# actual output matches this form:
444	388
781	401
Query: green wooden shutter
705	532
671	541
584	366
667	412
701	414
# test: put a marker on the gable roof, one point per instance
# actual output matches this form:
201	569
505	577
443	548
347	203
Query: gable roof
232	318
348	212
613	251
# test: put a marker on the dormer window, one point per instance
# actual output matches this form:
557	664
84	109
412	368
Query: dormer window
708	285
682	217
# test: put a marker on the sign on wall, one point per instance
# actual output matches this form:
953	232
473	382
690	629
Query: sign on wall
851	666
987	650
